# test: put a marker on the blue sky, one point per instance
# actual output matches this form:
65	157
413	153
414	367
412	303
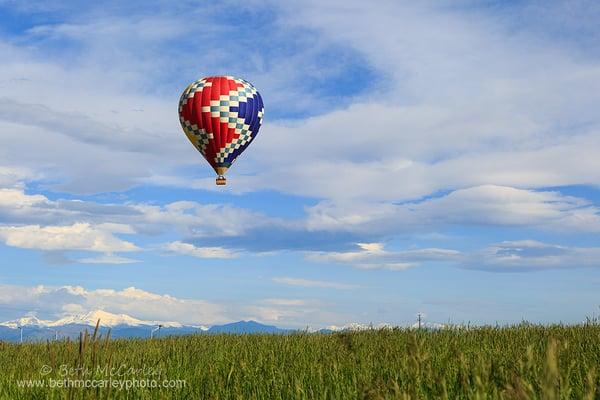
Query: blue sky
440	158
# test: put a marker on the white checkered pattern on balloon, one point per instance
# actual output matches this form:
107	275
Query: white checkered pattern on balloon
222	109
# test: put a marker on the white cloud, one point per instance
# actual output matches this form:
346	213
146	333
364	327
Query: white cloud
52	302
17	199
367	250
373	256
479	205
124	66
532	255
200	252
79	236
392	266
107	259
290	302
507	256
59	301
450	113
447	115
309	283
372	248
105	129
186	217
295	312
499	205
14	176
29	217
31	221
198	219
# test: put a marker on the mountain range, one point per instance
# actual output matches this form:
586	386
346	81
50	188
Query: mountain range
120	325
107	320
125	326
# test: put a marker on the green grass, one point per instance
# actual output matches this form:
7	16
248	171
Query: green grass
521	362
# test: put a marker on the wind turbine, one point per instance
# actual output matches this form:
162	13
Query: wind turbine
154	330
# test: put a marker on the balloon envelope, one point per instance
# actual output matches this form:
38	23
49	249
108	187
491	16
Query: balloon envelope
221	115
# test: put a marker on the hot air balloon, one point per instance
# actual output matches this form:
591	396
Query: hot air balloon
221	115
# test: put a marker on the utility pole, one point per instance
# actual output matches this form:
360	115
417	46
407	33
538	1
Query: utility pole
419	320
21	333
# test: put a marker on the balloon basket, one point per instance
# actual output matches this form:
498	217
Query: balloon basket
221	181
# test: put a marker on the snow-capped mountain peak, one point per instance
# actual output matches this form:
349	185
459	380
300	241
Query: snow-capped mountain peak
106	318
28	320
92	317
203	328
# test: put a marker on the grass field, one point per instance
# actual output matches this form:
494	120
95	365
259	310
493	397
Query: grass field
521	362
